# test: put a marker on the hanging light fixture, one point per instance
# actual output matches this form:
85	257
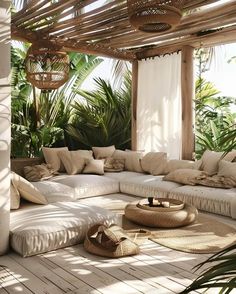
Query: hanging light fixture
154	15
47	67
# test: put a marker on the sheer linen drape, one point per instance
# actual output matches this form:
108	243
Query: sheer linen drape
159	105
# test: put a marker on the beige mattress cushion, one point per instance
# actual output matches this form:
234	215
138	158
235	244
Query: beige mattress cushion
221	201
147	186
51	157
55	192
154	163
40	229
88	185
27	190
103	152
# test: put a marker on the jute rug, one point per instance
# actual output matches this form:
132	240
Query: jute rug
206	235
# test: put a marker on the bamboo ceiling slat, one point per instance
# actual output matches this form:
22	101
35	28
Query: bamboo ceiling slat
105	29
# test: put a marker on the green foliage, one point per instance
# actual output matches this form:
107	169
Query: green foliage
39	118
104	117
221	273
215	126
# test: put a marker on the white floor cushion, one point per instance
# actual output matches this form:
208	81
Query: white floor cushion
38	229
88	185
216	200
147	186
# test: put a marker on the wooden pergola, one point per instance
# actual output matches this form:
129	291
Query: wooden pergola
102	28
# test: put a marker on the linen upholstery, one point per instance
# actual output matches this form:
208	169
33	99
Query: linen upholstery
55	192
220	201
103	152
185	176
88	185
14	197
147	186
51	157
94	166
175	164
27	190
40	229
154	163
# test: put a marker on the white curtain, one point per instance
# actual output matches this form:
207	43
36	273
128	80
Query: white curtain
159	105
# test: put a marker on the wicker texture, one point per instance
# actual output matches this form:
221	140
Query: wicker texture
171	219
154	15
47	67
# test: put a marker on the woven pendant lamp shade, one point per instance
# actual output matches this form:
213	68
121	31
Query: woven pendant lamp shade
47	67
154	15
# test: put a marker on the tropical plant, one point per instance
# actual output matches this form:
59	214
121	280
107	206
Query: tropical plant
104	117
222	274
39	118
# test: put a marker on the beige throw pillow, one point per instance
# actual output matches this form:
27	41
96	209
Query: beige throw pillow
227	169
132	159
114	165
154	163
94	166
103	152
27	190
39	172
14	197
217	182
74	161
175	164
51	157
185	176
231	156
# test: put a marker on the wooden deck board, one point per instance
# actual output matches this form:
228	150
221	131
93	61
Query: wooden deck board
72	270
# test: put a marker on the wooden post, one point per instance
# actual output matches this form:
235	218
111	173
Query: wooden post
5	128
187	86
134	105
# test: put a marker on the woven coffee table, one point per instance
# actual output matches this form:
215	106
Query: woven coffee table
161	217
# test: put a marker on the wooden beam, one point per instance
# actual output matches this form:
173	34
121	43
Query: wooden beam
134	105
187	90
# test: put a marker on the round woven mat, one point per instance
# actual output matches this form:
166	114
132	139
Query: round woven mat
206	235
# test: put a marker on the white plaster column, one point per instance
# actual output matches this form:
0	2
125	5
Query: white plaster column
5	120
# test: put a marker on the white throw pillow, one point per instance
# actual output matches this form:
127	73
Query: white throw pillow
51	157
27	190
94	166
154	163
103	152
227	169
55	192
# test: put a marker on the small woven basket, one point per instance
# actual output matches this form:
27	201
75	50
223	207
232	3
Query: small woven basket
154	15
47	67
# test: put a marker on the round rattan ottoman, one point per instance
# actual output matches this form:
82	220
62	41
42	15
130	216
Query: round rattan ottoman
165	219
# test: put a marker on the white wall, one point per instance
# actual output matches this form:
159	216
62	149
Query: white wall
5	119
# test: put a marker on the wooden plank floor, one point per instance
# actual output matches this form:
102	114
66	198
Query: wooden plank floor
156	270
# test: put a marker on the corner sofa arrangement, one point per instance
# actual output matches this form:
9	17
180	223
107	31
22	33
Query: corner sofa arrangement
58	219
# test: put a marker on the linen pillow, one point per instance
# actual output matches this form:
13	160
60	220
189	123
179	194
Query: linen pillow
132	159
51	157
103	152
175	164
154	163
55	192
114	165
217	182
227	169
94	166
74	161
185	176
27	190
39	172
231	156
14	197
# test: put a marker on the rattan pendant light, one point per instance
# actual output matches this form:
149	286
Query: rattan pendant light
47	67
154	15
